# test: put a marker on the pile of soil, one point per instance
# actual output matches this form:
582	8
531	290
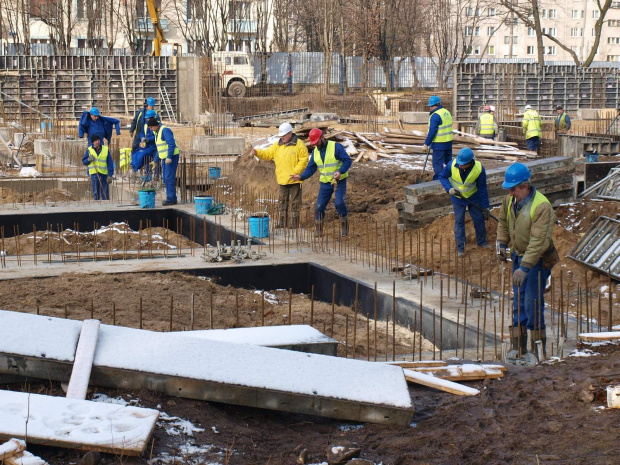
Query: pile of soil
8	195
115	299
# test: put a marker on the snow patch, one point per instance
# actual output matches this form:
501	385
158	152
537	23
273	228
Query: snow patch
176	426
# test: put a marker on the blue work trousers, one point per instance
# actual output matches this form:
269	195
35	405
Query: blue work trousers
477	217
99	183
169	178
326	190
530	297
533	143
440	159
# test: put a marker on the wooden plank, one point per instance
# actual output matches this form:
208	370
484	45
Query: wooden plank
11	447
83	362
420	363
441	384
605	336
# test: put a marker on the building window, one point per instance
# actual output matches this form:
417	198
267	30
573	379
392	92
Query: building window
506	39
576	32
490	30
543	14
469	30
468	49
477	50
551	50
614	5
491	50
613	40
477	31
531	32
596	14
552	31
574	14
613	58
531	50
491	12
553	14
515	39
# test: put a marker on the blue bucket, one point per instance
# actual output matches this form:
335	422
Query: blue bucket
259	225
592	157
147	198
203	203
215	172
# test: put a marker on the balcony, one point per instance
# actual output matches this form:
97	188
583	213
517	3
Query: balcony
243	26
145	24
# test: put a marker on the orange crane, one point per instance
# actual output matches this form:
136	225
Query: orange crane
159	33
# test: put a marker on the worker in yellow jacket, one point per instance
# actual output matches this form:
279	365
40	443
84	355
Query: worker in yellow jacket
290	155
532	128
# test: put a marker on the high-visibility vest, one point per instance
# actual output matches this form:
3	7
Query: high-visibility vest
162	146
536	201
560	122
467	187
487	124
100	165
330	165
534	124
444	131
125	158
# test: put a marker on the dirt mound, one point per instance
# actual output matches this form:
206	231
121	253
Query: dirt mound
10	196
55	195
578	217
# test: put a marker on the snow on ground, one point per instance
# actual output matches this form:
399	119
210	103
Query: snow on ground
176	426
268	336
583	353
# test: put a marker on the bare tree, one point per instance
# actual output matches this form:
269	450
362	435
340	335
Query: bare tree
16	23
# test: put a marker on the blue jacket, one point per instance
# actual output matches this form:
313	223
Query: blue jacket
341	155
103	127
109	161
481	197
432	132
566	119
168	138
137	125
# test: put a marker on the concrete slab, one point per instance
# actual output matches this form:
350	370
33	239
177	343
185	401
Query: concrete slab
219	145
43	147
76	424
212	370
413	117
84	356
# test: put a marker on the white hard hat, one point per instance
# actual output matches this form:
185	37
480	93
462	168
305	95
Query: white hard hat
492	107
528	107
284	129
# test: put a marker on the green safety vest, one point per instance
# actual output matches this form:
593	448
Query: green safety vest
536	201
534	124
444	132
467	187
162	146
487	124
330	165
560	122
100	165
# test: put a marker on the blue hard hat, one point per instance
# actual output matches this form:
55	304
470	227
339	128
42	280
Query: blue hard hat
94	111
516	174
150	101
150	114
434	100
465	156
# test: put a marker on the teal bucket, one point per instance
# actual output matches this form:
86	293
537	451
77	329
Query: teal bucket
147	198
215	172
203	203
592	157
259	225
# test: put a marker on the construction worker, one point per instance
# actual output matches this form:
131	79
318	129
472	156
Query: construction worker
139	121
526	222
291	157
532	128
91	123
333	163
487	127
562	121
465	179
146	151
169	155
439	136
100	167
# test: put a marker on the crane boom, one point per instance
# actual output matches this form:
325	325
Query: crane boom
159	33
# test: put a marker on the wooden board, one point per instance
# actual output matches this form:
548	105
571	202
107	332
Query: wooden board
83	362
420	363
594	337
441	384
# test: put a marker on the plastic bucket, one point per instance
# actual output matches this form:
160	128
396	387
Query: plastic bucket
592	157
259	225
203	203
147	198
215	172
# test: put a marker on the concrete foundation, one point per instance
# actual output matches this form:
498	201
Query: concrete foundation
219	145
43	147
413	117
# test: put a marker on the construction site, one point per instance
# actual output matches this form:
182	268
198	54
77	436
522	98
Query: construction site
211	331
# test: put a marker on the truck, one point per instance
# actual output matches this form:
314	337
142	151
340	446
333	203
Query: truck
236	71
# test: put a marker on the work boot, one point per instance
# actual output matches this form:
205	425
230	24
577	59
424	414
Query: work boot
344	226
318	228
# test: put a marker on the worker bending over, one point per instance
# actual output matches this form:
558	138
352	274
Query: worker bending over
92	123
146	150
168	153
333	163
532	128
487	127
439	136
526	222
100	168
139	121
291	157
465	179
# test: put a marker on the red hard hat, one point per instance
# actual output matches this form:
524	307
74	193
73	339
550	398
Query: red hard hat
487	108
315	135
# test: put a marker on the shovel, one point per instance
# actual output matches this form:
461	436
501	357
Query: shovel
421	178
478	207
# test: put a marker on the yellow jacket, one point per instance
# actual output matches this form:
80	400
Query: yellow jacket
291	158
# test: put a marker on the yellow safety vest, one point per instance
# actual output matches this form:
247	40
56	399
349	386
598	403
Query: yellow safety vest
125	158
487	124
561	122
100	165
330	165
467	187
444	131
536	201
162	146
534	124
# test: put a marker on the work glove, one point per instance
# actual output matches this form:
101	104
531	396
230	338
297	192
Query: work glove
168	161
502	254
486	213
91	159
425	147
110	179
153	165
518	278
454	191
